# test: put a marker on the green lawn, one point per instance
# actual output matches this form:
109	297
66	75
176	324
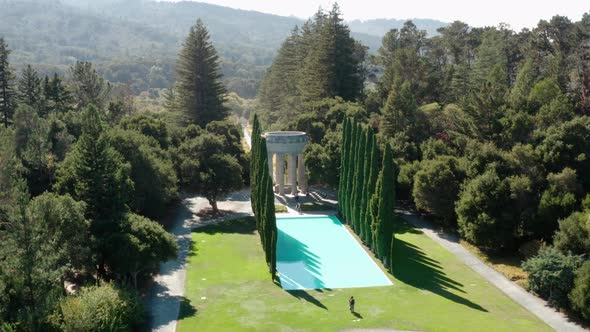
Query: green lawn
432	291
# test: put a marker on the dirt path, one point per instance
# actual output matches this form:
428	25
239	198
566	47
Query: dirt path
168	289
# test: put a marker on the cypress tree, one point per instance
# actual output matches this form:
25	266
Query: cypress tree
351	168
266	210
371	189
273	249
255	146
200	91
366	191
359	179
7	94
343	153
345	166
262	178
386	196
391	250
373	214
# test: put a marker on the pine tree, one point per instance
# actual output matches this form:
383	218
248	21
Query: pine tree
94	172
319	60
7	93
399	112
57	96
88	88
386	204
29	88
200	91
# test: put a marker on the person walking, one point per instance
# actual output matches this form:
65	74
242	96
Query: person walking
351	302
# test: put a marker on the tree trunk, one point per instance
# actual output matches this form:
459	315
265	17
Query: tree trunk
214	206
134	275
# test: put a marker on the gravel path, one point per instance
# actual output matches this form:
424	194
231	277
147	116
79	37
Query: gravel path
168	289
537	306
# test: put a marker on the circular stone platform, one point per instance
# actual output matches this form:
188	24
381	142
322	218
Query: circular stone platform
285	141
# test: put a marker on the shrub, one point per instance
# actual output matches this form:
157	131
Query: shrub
580	294
103	308
551	275
436	187
483	216
574	234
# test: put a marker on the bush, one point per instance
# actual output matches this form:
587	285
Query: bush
436	187
580	295
103	308
574	234
551	275
484	216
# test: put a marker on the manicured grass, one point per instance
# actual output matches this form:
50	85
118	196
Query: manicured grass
432	291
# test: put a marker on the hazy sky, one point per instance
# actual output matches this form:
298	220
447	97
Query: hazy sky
517	13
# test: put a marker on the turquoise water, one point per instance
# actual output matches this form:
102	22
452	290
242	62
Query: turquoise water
319	252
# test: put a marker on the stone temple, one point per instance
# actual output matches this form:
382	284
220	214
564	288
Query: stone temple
287	146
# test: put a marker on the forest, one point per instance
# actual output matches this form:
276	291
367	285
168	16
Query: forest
85	178
484	130
488	127
135	43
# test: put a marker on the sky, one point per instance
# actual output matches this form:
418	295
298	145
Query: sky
517	13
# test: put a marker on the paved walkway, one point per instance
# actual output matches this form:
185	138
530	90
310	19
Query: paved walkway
168	289
537	306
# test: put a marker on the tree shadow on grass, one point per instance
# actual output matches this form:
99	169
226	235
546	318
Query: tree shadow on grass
402	227
413	267
304	295
239	225
186	309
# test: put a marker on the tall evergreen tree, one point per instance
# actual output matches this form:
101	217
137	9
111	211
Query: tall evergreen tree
94	172
386	203
368	187
58	97
359	180
343	156
399	112
351	167
29	88
88	88
320	60
7	93
254	160
200	91
268	209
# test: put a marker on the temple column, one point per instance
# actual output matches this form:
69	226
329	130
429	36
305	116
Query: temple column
269	155
293	173
302	175
280	175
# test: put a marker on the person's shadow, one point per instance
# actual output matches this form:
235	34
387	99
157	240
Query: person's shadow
356	314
